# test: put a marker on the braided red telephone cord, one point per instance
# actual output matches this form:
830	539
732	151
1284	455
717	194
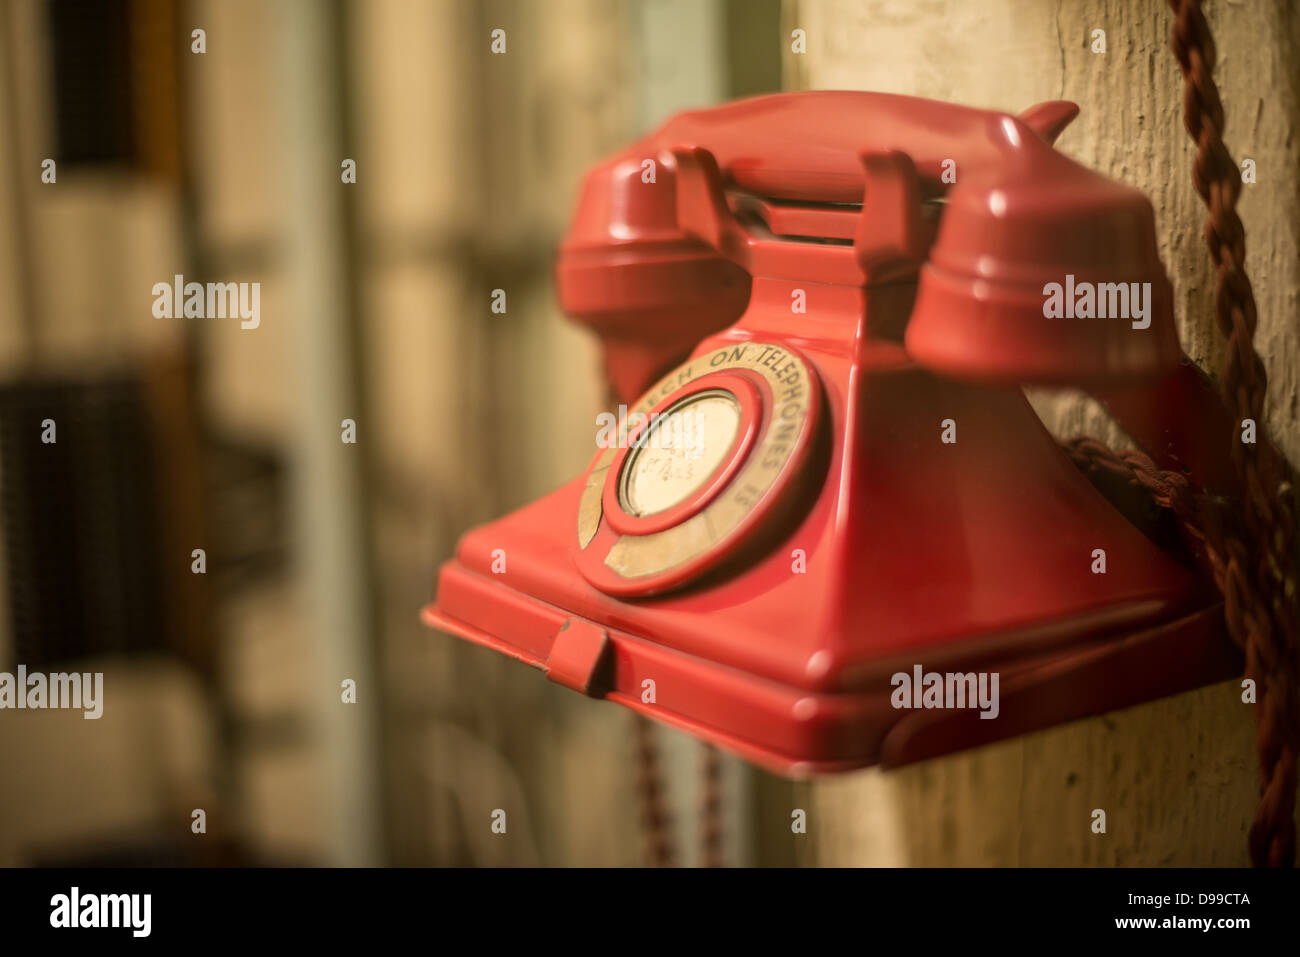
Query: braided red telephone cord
1249	548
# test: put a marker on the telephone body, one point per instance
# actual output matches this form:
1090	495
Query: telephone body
847	289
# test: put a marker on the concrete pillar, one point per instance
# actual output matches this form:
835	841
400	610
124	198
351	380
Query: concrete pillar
1177	777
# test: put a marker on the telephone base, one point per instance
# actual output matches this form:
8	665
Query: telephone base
794	732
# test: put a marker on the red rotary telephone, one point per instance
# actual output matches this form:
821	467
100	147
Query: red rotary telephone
846	290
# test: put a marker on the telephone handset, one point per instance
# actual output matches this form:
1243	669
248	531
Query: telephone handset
820	307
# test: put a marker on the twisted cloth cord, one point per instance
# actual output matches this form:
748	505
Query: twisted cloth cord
656	825
1249	551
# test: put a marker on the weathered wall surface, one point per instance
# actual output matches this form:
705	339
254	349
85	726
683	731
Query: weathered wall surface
1177	777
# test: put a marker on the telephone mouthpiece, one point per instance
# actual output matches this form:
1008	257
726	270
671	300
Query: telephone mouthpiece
1044	271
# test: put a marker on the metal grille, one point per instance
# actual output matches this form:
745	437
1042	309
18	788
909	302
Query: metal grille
80	523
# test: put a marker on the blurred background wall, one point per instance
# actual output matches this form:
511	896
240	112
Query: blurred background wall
223	688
